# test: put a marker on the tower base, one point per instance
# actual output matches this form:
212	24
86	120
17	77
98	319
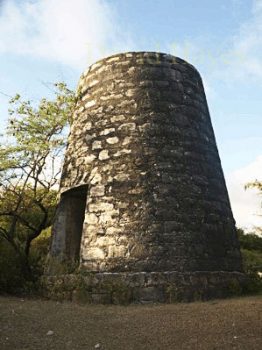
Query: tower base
143	287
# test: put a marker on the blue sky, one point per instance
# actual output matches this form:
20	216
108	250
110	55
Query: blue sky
44	41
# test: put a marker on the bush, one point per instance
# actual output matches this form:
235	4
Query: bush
251	249
253	285
252	260
13	279
11	276
250	240
39	251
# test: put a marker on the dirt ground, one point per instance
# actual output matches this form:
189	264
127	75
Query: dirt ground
219	324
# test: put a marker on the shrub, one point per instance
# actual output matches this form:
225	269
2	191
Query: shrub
11	276
13	279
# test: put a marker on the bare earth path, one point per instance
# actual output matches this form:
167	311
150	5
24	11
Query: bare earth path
224	324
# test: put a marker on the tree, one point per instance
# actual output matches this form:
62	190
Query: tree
30	157
251	248
257	185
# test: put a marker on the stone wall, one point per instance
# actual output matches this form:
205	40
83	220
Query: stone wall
143	287
143	143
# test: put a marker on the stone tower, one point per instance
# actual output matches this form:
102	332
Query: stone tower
143	194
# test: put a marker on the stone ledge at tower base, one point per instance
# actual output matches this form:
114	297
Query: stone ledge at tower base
143	287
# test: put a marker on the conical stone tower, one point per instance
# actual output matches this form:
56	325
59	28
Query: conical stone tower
143	196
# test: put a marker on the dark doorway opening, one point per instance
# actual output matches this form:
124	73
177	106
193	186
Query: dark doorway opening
74	203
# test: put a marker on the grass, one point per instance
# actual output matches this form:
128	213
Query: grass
220	324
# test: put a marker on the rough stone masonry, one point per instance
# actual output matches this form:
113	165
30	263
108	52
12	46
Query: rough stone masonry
142	189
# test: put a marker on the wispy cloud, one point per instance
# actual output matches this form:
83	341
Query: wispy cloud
246	204
70	32
237	58
246	51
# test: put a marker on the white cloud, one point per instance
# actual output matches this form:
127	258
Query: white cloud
244	59
246	52
237	58
246	204
72	32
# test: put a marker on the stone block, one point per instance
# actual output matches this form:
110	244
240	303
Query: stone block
103	155
97	191
101	298
149	295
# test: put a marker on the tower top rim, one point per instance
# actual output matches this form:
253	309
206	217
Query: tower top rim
122	56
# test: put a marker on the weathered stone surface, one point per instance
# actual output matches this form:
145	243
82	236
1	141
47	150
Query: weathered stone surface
97	191
103	155
112	140
144	287
97	145
90	104
143	146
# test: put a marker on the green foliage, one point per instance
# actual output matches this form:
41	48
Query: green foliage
11	276
30	156
34	213
251	249
252	260
255	184
35	134
40	128
41	244
253	285
250	241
